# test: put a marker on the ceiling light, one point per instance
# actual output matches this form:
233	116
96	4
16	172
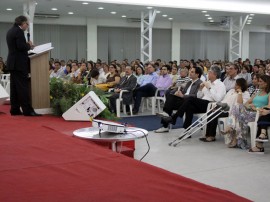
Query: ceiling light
170	18
85	3
158	12
124	16
251	14
206	15
100	8
204	11
113	12
149	7
54	9
164	15
70	13
211	21
248	23
9	9
250	18
209	18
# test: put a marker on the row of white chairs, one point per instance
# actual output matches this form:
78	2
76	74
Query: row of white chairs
155	102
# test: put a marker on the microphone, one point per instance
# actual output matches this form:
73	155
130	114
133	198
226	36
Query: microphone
28	36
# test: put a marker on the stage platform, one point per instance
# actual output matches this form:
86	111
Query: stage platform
40	160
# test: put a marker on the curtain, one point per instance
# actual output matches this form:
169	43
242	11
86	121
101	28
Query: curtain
201	44
69	42
259	46
4	27
124	43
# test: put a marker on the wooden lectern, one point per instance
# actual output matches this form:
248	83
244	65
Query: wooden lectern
40	88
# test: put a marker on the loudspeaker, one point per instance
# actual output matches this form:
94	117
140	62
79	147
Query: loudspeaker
85	109
3	95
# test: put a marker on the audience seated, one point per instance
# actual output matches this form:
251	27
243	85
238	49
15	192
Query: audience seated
246	75
82	73
232	75
174	99
246	113
139	74
57	72
182	98
128	82
96	78
146	88
174	73
211	91
182	79
151	82
262	136
236	96
112	79
254	88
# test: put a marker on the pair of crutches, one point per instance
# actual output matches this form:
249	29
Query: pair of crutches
201	122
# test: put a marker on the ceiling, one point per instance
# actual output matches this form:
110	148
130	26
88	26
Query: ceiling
181	12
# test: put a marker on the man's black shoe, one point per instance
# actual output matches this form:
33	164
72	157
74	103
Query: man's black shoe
32	114
16	113
134	112
169	120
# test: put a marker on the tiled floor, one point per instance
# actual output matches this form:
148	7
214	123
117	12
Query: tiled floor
236	170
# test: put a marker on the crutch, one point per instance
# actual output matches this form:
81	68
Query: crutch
191	129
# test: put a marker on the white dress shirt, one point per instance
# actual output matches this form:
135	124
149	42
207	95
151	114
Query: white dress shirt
215	93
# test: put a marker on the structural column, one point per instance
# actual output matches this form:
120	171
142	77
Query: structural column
245	44
147	22
176	34
29	11
91	39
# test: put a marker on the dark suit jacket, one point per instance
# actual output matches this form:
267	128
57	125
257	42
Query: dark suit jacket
17	59
194	88
127	84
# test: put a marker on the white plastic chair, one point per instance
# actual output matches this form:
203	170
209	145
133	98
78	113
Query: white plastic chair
118	105
252	126
154	100
253	130
3	95
5	79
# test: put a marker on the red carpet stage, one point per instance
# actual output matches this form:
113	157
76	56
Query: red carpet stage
39	162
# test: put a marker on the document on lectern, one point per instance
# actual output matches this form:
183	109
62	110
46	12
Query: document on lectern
41	48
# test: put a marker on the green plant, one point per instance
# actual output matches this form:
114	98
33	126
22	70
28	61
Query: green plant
64	94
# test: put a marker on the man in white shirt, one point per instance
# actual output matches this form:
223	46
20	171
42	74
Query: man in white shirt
57	70
210	91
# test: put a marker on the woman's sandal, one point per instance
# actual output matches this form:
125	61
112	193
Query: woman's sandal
233	144
262	138
259	151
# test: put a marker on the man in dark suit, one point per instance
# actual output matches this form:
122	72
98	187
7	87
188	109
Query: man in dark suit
18	65
175	99
128	82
